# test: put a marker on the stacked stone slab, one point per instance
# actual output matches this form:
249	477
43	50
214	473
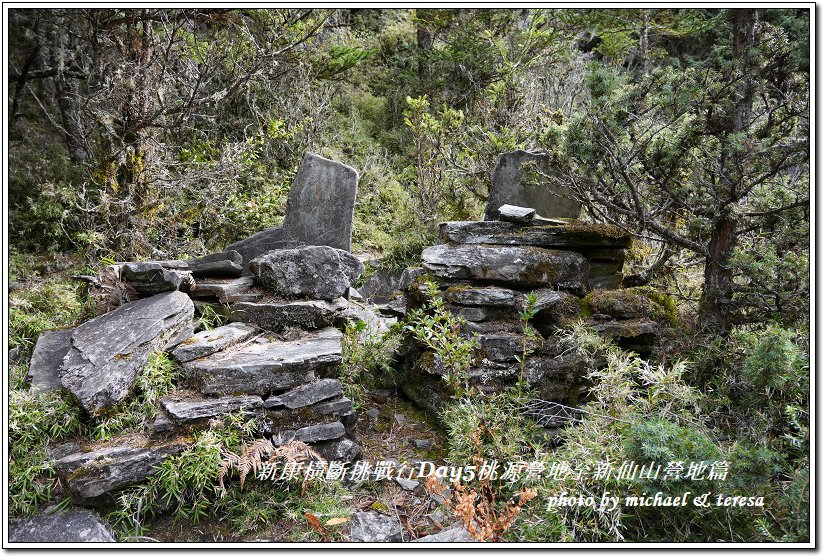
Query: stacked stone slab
485	269
273	361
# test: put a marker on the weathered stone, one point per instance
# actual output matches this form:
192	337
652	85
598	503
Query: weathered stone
150	278
216	269
409	275
512	213
109	351
307	395
205	343
396	307
372	527
226	291
638	335
46	360
317	272
630	303
422	443
605	274
400	419
93	473
407	485
373	412
519	266
189	410
517	180
312	433
277	315
475	314
267	366
342	450
492	296
573	235
354	295
69	526
381	286
339	407
454	534
228	255
504	347
14	355
321	204
258	244
375	323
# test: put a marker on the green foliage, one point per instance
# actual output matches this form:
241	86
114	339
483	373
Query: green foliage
47	304
211	318
157	379
36	421
368	356
439	330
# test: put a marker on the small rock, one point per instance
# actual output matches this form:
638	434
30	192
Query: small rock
373	412
339	406
422	443
312	434
408	485
216	269
306	395
513	213
439	499
455	534
14	355
400	419
372	527
69	526
206	343
150	278
193	410
343	450
46	360
353	294
381	396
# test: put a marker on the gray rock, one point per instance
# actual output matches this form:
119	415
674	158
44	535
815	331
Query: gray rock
109	351
226	290
454	534
351	265
354	295
422	443
275	316
307	395
150	278
381	286
340	407
372	527
342	450
407	485
312	433
223	268
258	244
519	266
69	526
482	296
409	275
396	307
93	473
512	213
517	180
44	367
400	419
206	343
267	365
598	239
189	410
321	204
357	312
504	347
317	272
14	355
373	412
228	255
478	314
186	332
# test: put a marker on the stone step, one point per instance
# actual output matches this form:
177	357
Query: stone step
276	315
572	235
206	343
186	409
267	365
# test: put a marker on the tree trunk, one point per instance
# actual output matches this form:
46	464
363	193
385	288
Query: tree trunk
716	312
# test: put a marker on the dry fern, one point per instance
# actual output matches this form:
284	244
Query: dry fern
262	451
109	290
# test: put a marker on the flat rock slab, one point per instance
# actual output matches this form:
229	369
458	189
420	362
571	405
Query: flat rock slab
150	278
258	244
266	366
93	473
109	351
44	367
491	296
572	235
223	268
513	213
225	290
312	433
69	526
372	527
518	266
454	534
190	410
321	204
317	272
206	343
277	315
518	180
341	450
306	395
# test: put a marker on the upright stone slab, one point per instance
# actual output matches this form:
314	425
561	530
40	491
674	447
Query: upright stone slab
44	367
321	204
517	181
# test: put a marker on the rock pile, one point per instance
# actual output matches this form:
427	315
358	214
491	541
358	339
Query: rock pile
485	269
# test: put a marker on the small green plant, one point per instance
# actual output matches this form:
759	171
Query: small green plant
49	304
528	338
368	357
156	380
210	318
440	330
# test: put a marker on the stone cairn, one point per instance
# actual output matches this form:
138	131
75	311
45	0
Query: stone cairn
484	270
285	288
